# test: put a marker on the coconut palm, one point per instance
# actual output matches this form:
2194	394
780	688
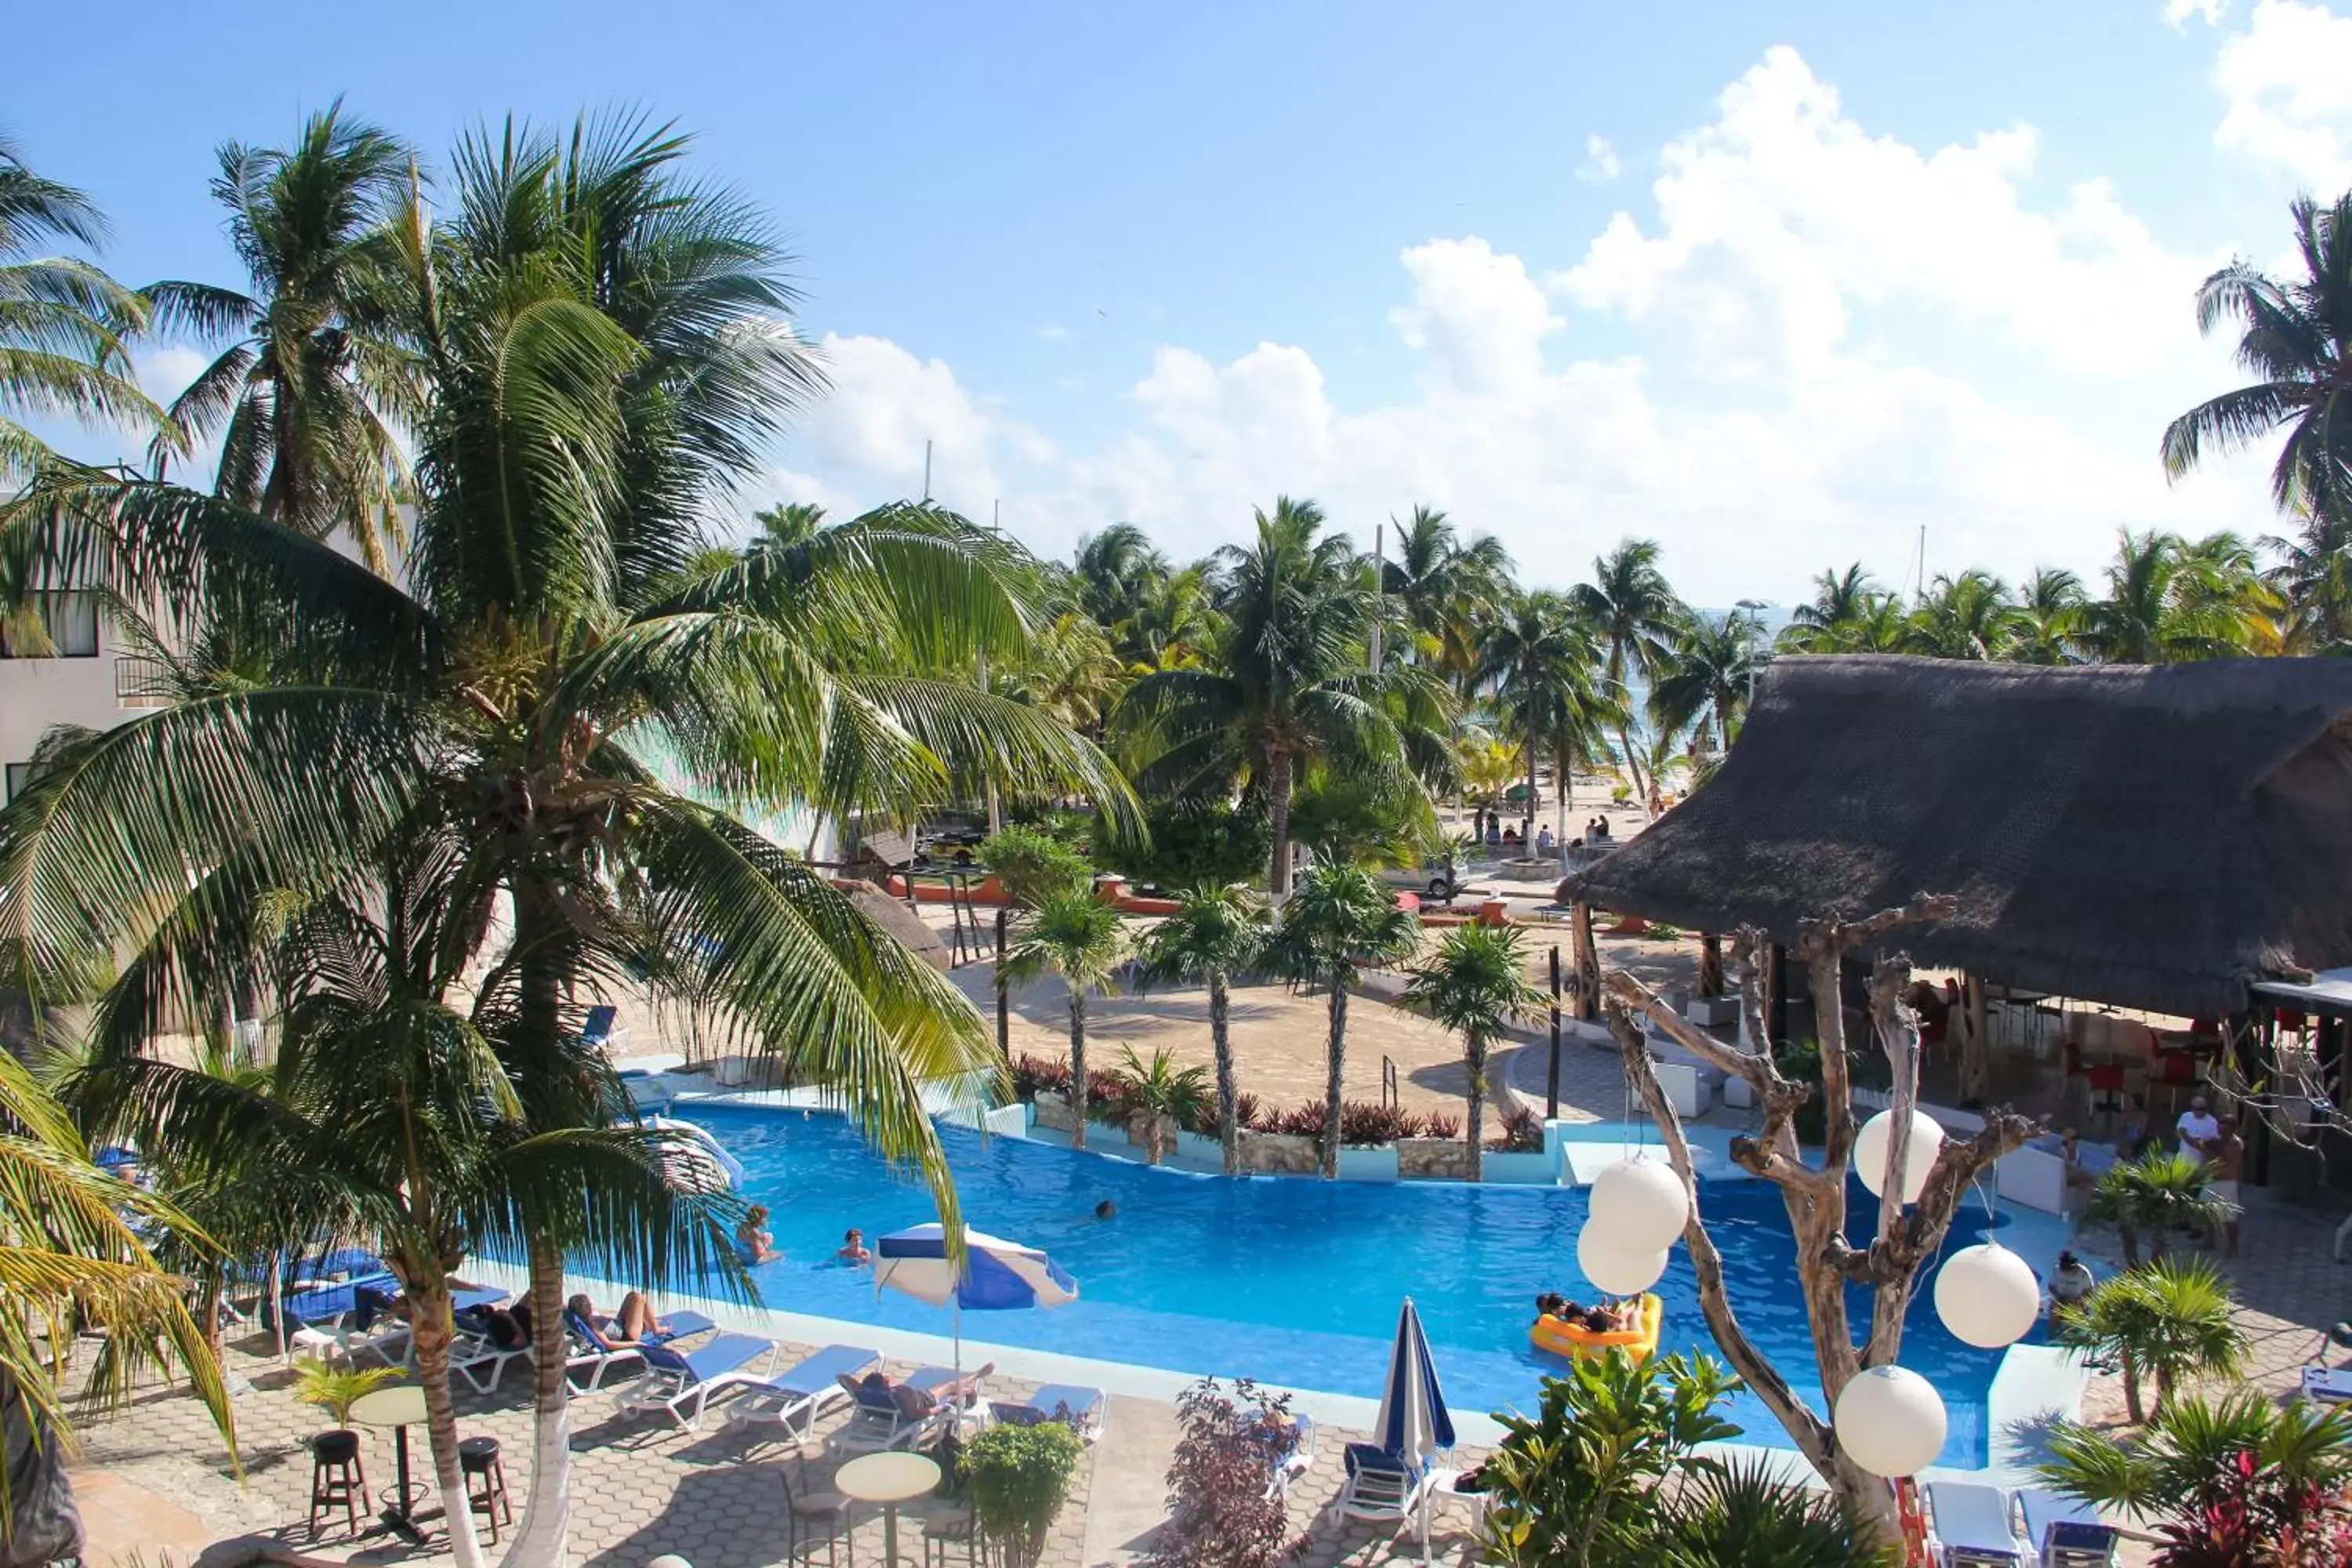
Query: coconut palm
607	351
2152	1196
1214	934
2049	613
1634	611
1174	623
2314	573
2164	602
1476	984
310	394
1542	663
2238	1481
1444	588
63	323
1839	599
2169	1319
1078	937
1114	571
1967	616
2290	337
1341	921
1288	686
1706	678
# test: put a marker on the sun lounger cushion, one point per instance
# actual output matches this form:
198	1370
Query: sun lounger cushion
724	1354
1079	1407
1361	1457
1972	1521
831	1367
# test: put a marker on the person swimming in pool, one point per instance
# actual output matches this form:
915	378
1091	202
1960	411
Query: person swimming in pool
853	1247
753	1240
1105	1210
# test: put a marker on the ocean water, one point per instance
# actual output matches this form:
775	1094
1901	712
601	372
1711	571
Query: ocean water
1288	1281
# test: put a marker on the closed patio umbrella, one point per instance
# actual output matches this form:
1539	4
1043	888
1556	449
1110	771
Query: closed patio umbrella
998	1276
1414	1425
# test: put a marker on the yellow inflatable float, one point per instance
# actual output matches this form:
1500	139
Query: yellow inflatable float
1572	1339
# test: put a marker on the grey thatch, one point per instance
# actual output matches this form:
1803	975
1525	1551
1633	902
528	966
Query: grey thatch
2154	838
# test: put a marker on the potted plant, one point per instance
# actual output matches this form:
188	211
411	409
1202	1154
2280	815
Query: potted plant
1159	1097
335	1389
1017	1478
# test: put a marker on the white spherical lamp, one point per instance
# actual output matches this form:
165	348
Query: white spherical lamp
1640	1203
1619	1269
1870	1153
1988	1296
1890	1421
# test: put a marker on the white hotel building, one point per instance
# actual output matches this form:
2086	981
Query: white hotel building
81	678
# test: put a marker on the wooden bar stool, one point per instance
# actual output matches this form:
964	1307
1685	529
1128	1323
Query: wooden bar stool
479	1456
337	1478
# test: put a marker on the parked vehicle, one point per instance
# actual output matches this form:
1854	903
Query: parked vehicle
1439	876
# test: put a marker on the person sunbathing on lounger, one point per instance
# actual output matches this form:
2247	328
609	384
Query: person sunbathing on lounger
634	1324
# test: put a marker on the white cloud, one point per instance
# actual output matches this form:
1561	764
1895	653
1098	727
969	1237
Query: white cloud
2287	81
2178	12
164	373
1834	338
884	406
1600	164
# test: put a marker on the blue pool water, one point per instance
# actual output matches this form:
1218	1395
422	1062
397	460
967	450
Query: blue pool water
1288	1281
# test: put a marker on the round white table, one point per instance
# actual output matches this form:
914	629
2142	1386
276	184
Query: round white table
888	1478
395	1407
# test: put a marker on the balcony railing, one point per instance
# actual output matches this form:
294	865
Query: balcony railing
140	682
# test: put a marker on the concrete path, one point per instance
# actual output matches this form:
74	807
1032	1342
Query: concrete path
1131	1489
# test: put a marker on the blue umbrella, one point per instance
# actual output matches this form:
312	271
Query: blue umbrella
1414	1425
997	1274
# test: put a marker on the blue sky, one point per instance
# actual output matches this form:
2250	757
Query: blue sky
1778	285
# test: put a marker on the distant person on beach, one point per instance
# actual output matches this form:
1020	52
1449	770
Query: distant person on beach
1544	842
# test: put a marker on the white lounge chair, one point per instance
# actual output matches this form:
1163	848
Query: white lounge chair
1381	1487
677	1385
903	1415
1973	1526
1083	1410
796	1396
1293	1461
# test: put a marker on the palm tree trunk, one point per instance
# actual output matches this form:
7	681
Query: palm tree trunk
1077	1065
430	1327
1633	770
2131	1389
1338	1051
1527	820
1475	1122
545	1539
1277	791
2130	1239
1229	1141
2163	1388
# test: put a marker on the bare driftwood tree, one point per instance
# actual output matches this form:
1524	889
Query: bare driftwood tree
1902	1241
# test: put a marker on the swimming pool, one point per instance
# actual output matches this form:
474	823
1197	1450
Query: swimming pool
1286	1279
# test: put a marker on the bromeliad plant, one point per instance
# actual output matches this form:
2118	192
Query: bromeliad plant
603	349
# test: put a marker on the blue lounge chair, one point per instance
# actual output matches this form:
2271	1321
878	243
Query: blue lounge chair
888	1414
678	1384
2065	1530
588	1349
1080	1409
797	1395
596	1030
1973	1526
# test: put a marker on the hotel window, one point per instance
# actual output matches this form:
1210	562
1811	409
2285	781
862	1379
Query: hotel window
71	620
19	775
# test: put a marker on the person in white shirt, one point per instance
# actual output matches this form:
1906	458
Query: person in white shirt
2196	1128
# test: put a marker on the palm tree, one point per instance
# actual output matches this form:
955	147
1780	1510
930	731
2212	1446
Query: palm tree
1158	1092
390	1114
1114	571
1635	612
2049	615
2314	573
1078	937
607	350
1444	588
1967	616
1476	983
2291	339
1214	934
1839	599
1173	623
2164	602
1707	677
311	395
63	323
78	1252
1341	921
1288	687
1539	658
2223	1479
2152	1196
2169	1319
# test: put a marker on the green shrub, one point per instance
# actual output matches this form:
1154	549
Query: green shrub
1195	844
1660	931
1017	1477
1033	866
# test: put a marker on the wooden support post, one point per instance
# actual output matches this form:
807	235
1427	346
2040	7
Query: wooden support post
1588	964
1003	1017
1551	1073
1710	964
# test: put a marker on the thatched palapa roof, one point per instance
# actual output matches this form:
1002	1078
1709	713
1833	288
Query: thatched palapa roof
2148	837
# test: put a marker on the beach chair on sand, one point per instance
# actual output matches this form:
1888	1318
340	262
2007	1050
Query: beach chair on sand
1381	1487
587	1350
796	1396
1973	1528
678	1384
1083	1410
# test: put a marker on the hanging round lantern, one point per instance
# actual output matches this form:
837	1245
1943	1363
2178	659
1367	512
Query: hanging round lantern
1618	1269
1988	1296
1890	1421
1870	1153
1640	1203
